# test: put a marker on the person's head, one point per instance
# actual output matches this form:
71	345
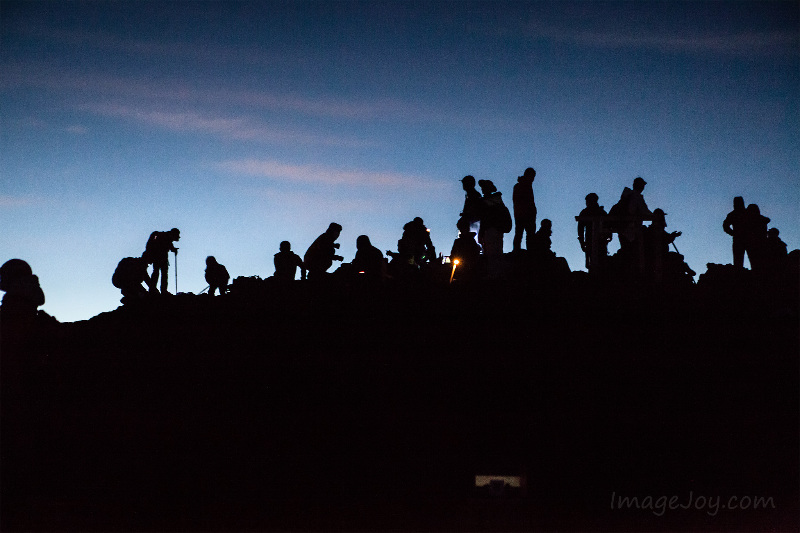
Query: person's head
211	260
175	234
592	199
463	226
468	182
753	209
738	203
487	187
334	230
285	246
362	242
638	184
773	233
659	218
13	270
546	225
529	174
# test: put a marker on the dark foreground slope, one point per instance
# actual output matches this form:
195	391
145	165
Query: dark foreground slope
340	408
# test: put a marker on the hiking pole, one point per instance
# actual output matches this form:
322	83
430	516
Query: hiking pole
676	248
176	271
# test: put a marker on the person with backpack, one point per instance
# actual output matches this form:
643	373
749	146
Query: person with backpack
524	209
495	219
130	274
156	253
217	276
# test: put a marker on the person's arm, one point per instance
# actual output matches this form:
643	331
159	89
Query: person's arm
726	225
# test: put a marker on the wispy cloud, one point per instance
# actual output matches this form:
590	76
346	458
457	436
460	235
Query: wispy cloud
88	85
319	174
752	43
16	201
226	127
77	129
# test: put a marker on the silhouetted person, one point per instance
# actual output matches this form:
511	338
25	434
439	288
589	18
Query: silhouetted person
524	209
369	260
217	276
322	253
775	252
466	251
156	253
541	241
23	329
416	242
637	207
472	201
662	262
755	236
586	229
23	295
734	225
129	277
287	262
495	219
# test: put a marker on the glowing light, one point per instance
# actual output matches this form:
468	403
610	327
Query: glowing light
453	272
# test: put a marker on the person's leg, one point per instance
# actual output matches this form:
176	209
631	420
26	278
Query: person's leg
519	228
738	253
164	278
530	232
154	278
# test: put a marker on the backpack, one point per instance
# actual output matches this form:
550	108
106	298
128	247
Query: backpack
127	268
504	222
150	248
620	209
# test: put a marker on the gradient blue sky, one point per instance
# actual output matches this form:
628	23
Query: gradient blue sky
248	123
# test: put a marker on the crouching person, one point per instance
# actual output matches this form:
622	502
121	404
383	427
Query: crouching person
217	276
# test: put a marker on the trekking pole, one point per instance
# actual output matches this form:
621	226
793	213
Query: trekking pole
176	271
676	248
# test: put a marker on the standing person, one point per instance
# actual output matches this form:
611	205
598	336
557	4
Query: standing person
524	209
495	219
287	262
472	201
216	276
322	253
586	233
734	225
755	236
631	204
156	253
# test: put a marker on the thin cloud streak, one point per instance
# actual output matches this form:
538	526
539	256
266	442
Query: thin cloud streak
387	110
231	128
7	201
765	43
318	174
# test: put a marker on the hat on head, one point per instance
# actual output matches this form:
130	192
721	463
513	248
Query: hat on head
639	180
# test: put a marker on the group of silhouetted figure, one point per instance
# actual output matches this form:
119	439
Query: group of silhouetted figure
477	253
